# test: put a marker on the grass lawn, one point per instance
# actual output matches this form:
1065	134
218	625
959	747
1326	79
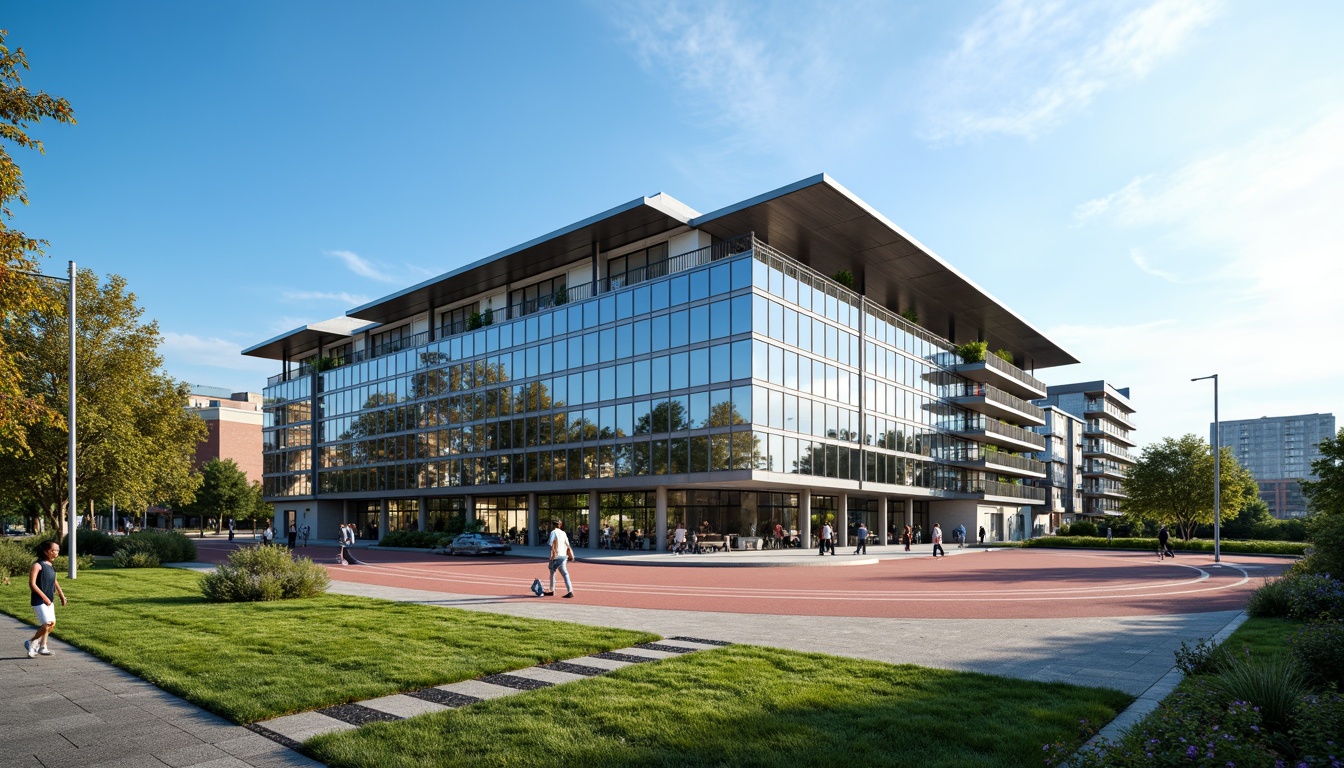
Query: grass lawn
744	706
253	661
1264	638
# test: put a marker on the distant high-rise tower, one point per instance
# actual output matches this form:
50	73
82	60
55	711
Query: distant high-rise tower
1278	452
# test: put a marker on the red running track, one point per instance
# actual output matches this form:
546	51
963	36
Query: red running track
1001	584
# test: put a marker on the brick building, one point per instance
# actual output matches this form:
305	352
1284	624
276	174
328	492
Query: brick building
234	420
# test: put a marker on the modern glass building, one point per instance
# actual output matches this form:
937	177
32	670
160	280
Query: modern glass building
735	372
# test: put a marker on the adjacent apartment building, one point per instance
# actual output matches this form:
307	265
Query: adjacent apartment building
1278	452
1063	481
732	371
1107	417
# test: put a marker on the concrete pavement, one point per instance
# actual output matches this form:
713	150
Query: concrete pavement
71	710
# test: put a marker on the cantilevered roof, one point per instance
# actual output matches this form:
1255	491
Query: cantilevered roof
307	338
625	224
825	226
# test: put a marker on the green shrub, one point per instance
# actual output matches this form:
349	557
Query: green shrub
1194	545
1083	528
136	553
845	278
1274	686
91	542
167	546
1270	600
1319	649
1318	723
255	574
15	559
1326	533
418	539
62	563
973	351
1202	658
1314	596
1003	354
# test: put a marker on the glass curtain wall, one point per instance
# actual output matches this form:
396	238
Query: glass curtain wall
571	508
446	513
503	515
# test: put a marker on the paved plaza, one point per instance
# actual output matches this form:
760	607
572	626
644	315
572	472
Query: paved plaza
1109	619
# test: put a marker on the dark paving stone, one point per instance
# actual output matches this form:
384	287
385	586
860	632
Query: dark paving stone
666	648
283	741
513	681
358	714
700	640
575	669
613	656
446	698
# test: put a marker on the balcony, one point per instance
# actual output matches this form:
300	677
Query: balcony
1001	463
1106	469
983	430
997	404
1098	428
994	488
1004	375
1096	406
1106	449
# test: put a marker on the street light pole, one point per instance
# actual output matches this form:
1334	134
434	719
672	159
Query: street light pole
1217	473
74	568
70	416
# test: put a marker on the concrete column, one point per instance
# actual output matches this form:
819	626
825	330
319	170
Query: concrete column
842	521
910	513
882	502
382	519
533	520
345	511
471	510
805	517
423	509
594	517
660	518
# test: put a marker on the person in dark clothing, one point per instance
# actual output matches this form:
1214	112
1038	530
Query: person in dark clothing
861	538
1163	544
293	536
982	535
44	591
232	528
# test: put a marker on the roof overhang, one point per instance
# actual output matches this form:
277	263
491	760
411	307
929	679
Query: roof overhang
307	338
636	220
825	226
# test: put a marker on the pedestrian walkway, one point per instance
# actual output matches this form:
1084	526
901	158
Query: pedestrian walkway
71	710
293	730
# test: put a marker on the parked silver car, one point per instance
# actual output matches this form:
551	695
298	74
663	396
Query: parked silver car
476	544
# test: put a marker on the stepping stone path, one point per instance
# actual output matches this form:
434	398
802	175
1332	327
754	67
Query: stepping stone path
293	730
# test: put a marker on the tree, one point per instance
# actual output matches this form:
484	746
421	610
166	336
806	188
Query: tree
224	492
1172	482
257	509
1326	495
19	293
135	441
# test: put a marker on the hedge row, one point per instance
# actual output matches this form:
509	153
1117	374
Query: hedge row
1177	545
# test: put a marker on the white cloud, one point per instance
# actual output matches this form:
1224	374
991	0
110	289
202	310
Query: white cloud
771	79
185	349
362	266
1257	229
1023	67
353	299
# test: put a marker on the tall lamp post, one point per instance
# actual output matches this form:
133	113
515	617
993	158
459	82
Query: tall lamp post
70	424
1217	450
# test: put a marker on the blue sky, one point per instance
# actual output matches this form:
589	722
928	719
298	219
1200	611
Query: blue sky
1157	185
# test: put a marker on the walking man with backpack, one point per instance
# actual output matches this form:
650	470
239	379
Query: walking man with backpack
561	553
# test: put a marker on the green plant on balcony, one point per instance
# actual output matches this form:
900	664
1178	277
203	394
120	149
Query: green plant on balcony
845	278
561	297
973	351
474	321
325	364
1004	354
488	317
911	316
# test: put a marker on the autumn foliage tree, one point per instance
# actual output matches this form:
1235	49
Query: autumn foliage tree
19	253
135	442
